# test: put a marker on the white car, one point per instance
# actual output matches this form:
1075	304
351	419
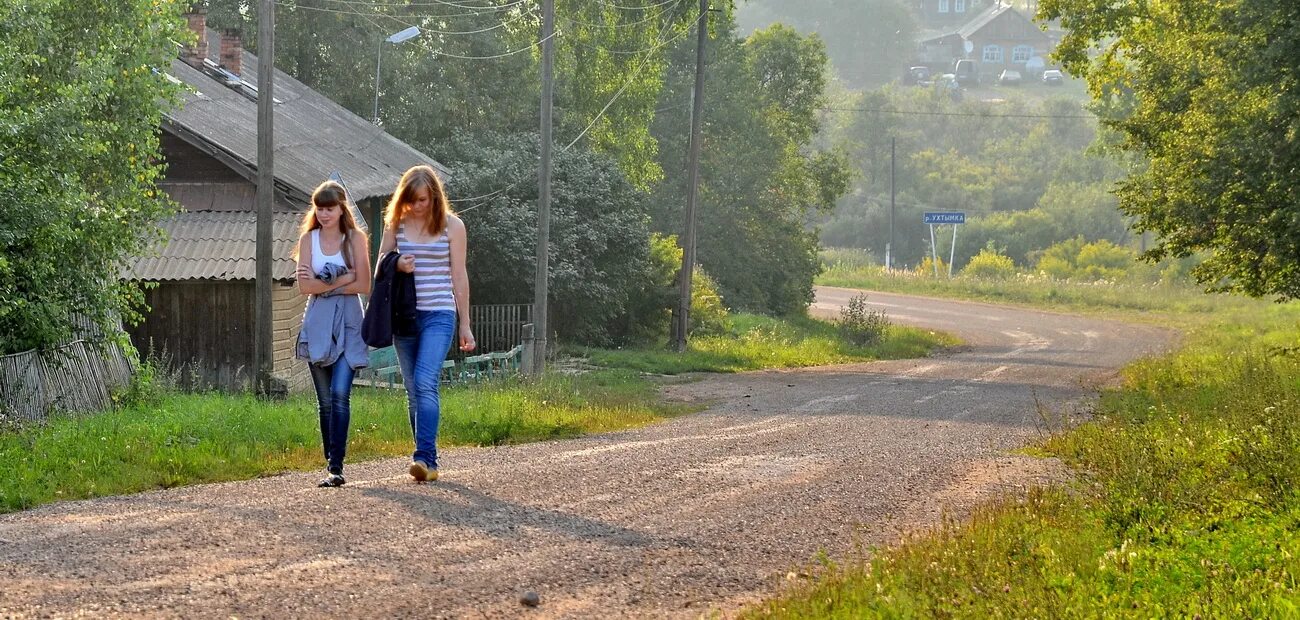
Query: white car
1053	77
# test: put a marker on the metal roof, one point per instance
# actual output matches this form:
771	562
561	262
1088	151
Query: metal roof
314	136
218	245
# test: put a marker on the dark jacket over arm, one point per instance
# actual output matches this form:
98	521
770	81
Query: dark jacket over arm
392	304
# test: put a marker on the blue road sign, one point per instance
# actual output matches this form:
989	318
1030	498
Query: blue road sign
945	218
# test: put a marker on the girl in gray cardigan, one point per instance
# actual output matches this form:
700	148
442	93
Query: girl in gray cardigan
333	271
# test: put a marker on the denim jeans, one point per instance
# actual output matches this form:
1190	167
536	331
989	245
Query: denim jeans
421	357
333	395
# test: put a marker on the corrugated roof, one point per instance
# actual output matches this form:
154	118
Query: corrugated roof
218	246
314	136
979	22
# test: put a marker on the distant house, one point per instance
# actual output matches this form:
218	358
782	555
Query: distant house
1000	37
201	312
945	14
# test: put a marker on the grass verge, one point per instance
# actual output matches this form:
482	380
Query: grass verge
166	440
1039	291
1188	505
757	342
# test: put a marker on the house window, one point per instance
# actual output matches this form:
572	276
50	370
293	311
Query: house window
943	6
993	54
958	6
1021	53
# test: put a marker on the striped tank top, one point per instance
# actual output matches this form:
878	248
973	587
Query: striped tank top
432	271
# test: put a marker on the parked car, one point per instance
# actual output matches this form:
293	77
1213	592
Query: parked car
919	76
966	71
1053	77
1009	77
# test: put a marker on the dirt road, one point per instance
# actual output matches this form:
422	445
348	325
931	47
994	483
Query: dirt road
702	513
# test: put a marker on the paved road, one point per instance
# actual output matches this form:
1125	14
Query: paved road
702	513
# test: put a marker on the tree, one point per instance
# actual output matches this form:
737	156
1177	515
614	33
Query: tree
80	87
1206	92
761	180
600	235
869	42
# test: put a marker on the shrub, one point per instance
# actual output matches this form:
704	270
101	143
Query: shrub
1076	259
861	326
926	267
990	264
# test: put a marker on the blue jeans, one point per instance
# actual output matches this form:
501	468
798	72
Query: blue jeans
421	357
334	395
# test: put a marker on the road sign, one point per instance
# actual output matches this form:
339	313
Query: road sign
945	218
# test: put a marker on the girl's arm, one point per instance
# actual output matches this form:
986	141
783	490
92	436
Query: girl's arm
307	282
360	266
460	281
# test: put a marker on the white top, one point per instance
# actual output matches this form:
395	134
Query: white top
319	258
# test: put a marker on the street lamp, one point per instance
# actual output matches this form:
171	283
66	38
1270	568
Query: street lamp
413	31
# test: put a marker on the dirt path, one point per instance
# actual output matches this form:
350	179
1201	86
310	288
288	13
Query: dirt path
701	513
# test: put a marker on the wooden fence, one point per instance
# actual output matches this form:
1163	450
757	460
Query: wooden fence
498	327
72	378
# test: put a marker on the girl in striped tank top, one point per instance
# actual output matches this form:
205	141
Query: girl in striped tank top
420	225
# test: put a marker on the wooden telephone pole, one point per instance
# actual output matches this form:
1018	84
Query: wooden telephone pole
683	326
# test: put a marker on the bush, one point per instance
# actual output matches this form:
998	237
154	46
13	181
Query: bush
649	315
990	264
860	326
1076	259
926	267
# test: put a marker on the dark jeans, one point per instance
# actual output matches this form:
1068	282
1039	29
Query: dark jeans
333	395
421	357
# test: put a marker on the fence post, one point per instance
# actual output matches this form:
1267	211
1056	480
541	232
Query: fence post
526	363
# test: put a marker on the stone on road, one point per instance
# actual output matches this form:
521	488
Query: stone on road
702	513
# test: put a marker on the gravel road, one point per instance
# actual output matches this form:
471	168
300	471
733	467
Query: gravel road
703	513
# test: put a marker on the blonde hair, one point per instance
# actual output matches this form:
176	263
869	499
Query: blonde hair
413	180
331	194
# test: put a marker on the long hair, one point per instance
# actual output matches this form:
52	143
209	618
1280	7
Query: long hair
415	179
331	194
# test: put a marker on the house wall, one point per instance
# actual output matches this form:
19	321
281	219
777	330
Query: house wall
202	330
287	307
1007	33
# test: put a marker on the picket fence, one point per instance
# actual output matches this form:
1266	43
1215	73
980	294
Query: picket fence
75	377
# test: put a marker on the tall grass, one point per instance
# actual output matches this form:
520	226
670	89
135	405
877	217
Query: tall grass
757	342
169	439
1188	505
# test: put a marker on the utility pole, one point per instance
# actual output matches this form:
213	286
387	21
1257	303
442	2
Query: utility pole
889	248
693	185
262	338
540	290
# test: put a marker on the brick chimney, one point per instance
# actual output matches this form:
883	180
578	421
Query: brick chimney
232	50
197	17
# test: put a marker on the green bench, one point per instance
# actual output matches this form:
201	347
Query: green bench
384	370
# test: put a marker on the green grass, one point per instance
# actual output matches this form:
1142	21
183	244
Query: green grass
1188	505
170	440
852	269
758	342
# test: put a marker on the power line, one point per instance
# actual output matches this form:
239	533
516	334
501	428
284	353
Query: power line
619	25
422	29
970	114
479	10
633	8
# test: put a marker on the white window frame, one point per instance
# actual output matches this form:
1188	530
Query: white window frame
1022	53
943	6
958	6
992	54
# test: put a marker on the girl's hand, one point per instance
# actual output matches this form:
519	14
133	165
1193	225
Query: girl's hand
467	338
304	273
406	264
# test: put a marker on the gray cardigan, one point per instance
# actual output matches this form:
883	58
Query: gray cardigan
331	326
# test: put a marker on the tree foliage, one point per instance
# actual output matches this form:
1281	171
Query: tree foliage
1207	92
80	94
868	41
760	177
